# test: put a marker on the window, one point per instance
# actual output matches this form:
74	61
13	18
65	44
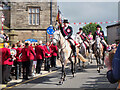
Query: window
34	16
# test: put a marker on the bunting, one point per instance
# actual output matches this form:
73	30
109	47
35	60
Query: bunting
107	22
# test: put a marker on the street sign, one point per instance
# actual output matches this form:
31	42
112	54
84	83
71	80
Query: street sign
50	30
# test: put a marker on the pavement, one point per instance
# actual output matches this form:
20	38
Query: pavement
87	78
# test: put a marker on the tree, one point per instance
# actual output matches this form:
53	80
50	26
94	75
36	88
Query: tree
90	27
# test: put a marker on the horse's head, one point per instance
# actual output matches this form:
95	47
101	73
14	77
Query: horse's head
56	36
97	41
78	38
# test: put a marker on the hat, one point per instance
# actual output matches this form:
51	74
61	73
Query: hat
65	21
80	28
98	26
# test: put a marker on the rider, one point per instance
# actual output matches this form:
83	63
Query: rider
90	36
101	35
67	32
84	38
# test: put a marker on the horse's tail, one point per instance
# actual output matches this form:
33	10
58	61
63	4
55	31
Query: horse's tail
82	58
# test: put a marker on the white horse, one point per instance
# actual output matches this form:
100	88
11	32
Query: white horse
90	55
65	53
99	53
82	49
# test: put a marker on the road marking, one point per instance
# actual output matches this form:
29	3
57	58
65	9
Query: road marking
29	80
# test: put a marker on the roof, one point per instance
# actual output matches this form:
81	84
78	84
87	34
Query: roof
117	24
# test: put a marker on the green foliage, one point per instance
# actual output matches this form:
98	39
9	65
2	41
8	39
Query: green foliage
90	27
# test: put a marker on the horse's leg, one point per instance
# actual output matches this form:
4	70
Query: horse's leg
71	66
79	64
103	58
97	63
62	76
91	58
75	64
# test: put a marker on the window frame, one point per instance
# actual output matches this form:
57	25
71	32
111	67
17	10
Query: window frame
32	13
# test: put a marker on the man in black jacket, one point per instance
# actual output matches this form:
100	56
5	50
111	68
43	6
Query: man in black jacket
101	35
67	32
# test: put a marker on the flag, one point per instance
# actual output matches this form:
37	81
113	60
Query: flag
58	18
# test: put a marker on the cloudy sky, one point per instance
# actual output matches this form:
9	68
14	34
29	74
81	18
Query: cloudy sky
77	11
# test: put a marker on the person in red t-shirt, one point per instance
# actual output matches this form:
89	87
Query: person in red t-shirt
25	61
47	56
40	55
54	49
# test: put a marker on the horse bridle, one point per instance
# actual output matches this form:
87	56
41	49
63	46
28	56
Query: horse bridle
59	41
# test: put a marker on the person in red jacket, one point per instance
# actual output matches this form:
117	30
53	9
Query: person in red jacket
40	55
47	57
5	59
18	62
54	49
31	57
25	61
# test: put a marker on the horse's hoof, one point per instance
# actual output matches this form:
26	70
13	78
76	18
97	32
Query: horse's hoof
60	82
73	75
79	68
101	67
64	79
98	71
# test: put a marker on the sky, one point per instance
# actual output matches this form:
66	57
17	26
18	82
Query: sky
77	11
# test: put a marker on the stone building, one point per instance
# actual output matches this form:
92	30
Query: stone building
30	19
113	33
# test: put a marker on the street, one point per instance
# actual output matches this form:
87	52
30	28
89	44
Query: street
86	79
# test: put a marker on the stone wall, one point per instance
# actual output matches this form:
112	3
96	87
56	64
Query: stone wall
30	34
112	32
7	18
20	19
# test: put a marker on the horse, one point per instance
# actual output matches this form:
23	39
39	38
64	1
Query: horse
98	51
81	49
90	54
65	54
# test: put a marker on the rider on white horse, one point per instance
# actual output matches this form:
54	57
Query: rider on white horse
67	32
101	35
84	38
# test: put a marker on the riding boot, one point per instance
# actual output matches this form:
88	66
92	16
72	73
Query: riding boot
74	50
88	49
93	48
